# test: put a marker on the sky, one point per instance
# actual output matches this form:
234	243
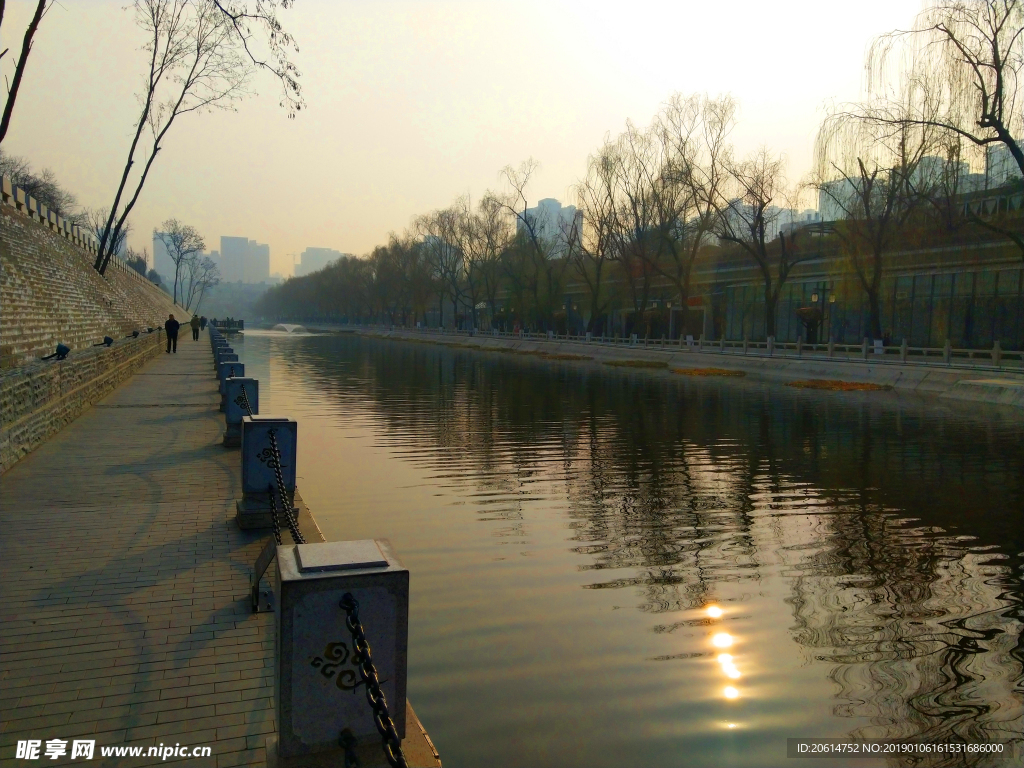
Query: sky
414	103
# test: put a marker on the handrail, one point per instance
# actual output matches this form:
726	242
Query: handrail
995	358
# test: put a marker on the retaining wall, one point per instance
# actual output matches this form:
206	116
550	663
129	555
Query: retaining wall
50	293
987	386
41	398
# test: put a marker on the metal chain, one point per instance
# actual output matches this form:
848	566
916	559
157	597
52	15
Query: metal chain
245	402
390	742
289	515
273	513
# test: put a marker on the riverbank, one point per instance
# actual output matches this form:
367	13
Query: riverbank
956	384
125	581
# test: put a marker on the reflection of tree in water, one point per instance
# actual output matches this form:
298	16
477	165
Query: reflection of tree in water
687	483
923	633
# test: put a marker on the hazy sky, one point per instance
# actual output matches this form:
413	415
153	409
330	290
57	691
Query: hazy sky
414	103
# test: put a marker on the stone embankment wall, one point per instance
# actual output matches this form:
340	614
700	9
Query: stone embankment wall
39	399
50	293
998	387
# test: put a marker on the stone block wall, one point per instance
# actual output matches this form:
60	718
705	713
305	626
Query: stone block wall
39	399
50	293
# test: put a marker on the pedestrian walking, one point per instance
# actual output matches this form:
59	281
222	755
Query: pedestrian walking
172	326
202	323
194	322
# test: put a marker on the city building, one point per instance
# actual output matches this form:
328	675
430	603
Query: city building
1000	166
162	261
314	259
243	260
551	222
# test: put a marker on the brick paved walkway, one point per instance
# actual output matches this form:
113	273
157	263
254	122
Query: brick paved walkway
124	581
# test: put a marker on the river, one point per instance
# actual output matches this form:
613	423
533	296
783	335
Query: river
618	568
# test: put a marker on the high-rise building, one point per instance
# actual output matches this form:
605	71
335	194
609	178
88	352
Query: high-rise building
257	268
551	222
313	259
243	260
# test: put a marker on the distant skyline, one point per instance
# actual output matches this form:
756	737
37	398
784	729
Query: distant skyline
414	103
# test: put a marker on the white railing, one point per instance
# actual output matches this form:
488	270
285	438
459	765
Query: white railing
866	352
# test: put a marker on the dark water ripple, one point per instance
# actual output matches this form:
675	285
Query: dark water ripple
568	527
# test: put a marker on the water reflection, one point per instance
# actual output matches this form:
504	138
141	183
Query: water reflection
621	569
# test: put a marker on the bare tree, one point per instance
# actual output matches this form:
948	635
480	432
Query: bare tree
14	84
748	217
638	215
693	131
536	260
440	234
871	168
97	219
496	232
200	57
137	260
591	241
958	69
201	274
184	245
44	187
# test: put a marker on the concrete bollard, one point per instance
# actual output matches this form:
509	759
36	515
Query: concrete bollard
318	688
234	408
771	346
224	357
589	337
227	370
254	510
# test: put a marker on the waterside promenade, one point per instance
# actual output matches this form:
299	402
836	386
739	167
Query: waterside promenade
124	581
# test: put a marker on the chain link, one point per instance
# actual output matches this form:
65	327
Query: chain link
289	513
390	742
245	402
273	513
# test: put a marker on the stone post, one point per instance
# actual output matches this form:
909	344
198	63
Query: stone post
997	354
318	689
864	348
903	351
226	370
799	346
831	347
947	352
254	510
771	346
226	355
234	408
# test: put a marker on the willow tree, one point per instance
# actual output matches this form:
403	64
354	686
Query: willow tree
871	169
957	70
200	56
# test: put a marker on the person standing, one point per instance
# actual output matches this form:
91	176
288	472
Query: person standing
172	326
202	323
194	322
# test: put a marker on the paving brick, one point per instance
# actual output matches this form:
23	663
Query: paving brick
137	629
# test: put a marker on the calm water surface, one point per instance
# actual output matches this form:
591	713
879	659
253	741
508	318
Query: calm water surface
568	526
